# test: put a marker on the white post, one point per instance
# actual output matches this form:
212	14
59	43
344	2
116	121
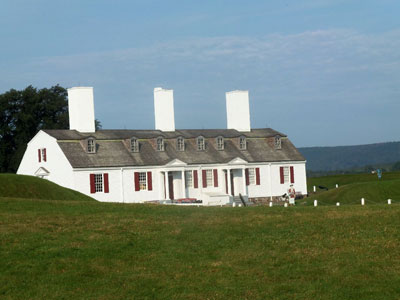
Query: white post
233	204
228	177
389	201
167	186
183	184
362	201
244	182
337	204
337	185
286	205
315	203
270	204
240	205
314	188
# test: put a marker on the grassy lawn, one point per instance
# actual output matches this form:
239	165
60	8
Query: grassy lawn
91	250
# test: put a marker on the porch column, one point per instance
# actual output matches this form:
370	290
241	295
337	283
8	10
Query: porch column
244	182
183	184
167	186
228	177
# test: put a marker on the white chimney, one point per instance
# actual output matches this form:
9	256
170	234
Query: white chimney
164	109
81	109
237	110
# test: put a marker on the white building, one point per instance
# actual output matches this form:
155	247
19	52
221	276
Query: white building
136	166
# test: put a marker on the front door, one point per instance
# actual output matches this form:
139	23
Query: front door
171	186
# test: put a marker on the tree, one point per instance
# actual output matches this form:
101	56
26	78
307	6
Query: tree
23	114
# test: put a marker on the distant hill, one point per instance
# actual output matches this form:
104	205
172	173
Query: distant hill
350	157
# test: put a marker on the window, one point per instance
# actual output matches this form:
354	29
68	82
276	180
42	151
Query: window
91	146
188	179
201	144
160	144
209	177
134	145
286	174
180	144
42	154
242	143
278	143
142	181
252	176
220	143
98	182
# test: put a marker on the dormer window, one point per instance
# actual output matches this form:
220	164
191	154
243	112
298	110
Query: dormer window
220	143
134	144
180	144
242	143
91	145
201	145
160	144
278	142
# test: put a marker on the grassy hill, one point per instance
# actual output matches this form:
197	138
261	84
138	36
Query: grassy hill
350	157
21	186
354	187
92	250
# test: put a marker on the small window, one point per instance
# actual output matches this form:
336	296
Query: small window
180	144
134	145
286	174
98	182
220	143
201	144
143	181
160	144
252	176
189	179
209	177
278	142
242	143
42	154
91	145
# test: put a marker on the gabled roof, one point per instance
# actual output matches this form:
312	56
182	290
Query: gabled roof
112	151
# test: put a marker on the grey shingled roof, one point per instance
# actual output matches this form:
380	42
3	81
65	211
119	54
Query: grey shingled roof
112	152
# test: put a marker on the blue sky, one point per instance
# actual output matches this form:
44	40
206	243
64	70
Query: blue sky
324	72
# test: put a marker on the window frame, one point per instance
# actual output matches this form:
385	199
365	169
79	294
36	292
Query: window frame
220	142
252	176
189	179
91	145
98	183
209	177
143	181
180	144
160	144
134	144
242	143
278	142
200	143
286	174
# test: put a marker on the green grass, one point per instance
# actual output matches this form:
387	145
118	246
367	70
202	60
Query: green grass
91	250
354	187
22	186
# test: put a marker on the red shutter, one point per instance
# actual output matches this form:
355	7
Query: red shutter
246	172
195	179
44	154
226	182
92	187
39	155
149	182
282	176
105	175
257	176
204	179
137	188
291	175
215	178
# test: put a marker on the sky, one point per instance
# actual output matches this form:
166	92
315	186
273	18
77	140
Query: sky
324	72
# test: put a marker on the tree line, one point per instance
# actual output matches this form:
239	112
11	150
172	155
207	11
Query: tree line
23	113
